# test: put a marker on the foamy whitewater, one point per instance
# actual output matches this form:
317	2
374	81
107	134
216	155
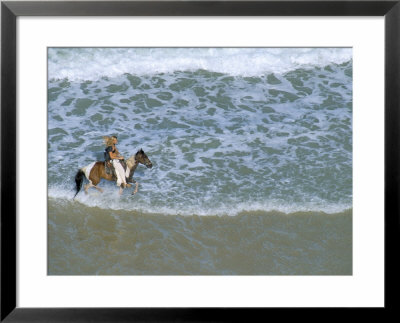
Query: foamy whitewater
230	132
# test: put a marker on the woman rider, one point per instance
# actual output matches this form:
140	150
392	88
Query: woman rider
115	159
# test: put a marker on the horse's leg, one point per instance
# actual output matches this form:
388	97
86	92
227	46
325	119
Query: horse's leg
95	183
87	186
91	185
94	178
99	189
136	188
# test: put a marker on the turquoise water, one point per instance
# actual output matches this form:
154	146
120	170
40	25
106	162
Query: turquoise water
227	130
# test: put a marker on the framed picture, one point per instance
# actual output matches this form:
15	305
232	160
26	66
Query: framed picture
264	137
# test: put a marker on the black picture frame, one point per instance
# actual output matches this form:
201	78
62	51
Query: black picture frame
10	10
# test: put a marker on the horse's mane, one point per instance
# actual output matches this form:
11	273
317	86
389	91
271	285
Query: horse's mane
130	162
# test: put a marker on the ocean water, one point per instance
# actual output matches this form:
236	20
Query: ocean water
251	151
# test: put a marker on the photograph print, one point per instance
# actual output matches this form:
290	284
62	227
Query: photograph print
200	161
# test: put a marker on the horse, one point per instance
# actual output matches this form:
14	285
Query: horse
95	171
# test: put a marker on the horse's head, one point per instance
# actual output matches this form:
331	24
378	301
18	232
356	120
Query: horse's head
142	158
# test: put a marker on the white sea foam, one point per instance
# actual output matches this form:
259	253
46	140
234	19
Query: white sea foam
111	200
95	63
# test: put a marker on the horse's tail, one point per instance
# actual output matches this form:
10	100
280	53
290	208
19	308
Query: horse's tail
80	175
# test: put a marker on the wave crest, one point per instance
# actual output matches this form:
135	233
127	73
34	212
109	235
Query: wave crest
95	63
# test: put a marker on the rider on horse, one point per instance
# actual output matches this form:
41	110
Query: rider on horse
113	157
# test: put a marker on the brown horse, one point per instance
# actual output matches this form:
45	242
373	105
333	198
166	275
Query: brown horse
95	171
